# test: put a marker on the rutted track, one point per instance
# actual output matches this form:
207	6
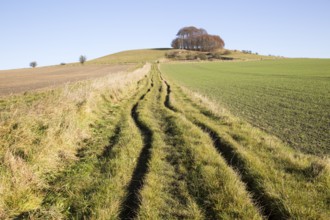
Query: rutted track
207	183
191	173
164	179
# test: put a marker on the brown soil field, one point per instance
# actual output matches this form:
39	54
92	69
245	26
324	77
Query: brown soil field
22	80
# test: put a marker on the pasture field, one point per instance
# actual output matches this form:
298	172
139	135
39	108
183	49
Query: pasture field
137	145
287	97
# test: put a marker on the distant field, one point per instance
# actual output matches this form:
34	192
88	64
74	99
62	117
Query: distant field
289	97
21	80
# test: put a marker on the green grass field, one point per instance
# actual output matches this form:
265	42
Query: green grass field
288	97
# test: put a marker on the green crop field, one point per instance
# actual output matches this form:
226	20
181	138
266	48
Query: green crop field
287	97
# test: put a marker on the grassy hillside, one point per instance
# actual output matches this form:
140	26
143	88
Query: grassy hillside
131	56
288	97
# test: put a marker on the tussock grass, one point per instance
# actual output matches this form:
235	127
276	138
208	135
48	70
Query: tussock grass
286	182
40	133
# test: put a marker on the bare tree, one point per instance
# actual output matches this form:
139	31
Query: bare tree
33	64
82	59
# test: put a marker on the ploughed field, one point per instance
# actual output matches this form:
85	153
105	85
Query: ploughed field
22	80
146	148
288	97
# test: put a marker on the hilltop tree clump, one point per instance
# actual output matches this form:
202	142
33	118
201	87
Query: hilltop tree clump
192	38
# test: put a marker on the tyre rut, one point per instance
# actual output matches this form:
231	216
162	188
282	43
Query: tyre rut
258	194
175	161
131	204
180	188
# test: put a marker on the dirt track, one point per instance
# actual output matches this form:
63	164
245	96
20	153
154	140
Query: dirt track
21	80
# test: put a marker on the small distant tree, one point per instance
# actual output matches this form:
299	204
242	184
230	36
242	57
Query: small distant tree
82	59
33	64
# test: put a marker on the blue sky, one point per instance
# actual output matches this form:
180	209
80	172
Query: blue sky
55	31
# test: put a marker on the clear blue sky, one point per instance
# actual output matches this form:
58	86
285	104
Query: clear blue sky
55	31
